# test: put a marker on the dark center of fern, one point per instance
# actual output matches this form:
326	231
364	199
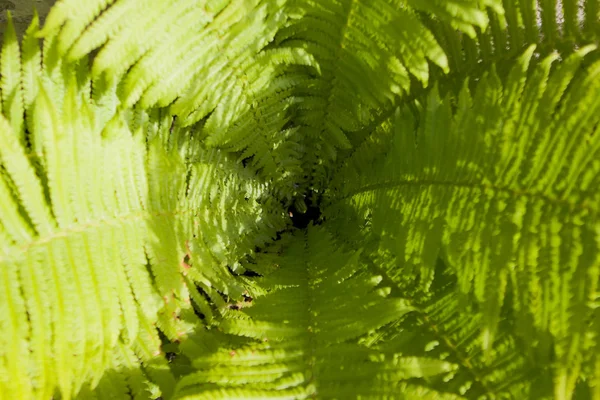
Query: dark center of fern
301	218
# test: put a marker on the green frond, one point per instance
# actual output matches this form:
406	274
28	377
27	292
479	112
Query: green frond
444	327
31	68
304	331
461	16
370	54
71	17
10	85
550	25
105	237
223	42
494	185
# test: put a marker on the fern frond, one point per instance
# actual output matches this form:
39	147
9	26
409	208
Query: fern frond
32	68
368	51
218	42
502	185
71	17
303	332
550	25
10	69
110	227
446	328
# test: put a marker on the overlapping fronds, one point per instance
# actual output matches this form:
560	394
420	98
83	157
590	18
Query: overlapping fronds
369	53
549	24
504	186
445	327
149	149
278	116
107	221
305	327
219	72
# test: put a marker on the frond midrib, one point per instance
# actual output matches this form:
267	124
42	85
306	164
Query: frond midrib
482	187
89	226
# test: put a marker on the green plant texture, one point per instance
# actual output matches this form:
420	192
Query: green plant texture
300	199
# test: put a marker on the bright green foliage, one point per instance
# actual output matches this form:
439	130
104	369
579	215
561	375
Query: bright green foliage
150	150
105	216
367	51
492	196
321	304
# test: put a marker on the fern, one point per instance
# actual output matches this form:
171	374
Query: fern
443	327
494	197
103	245
305	332
152	151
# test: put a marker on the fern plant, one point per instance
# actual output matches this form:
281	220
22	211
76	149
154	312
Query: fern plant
252	199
